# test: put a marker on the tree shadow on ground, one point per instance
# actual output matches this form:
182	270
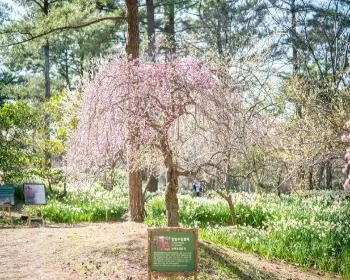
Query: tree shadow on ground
217	263
123	259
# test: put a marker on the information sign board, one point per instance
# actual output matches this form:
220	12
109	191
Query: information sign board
7	195
172	252
34	194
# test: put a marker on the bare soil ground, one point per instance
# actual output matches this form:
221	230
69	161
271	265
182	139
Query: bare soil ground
117	251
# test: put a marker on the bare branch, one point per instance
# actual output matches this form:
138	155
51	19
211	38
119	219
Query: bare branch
39	4
66	28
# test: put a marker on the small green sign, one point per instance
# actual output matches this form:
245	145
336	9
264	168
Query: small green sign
172	251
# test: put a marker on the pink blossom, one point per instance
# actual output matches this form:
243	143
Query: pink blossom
129	109
347	184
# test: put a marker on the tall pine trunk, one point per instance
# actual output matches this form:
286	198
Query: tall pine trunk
132	51
298	105
47	70
132	45
152	183
169	27
151	30
47	57
47	96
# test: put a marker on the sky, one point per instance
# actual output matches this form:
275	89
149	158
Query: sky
16	9
11	3
6	1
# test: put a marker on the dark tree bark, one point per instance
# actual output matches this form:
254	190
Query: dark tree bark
320	175
169	27
172	184
151	30
66	68
171	200
47	95
135	196
132	45
45	9
310	178
47	70
132	51
152	183
328	174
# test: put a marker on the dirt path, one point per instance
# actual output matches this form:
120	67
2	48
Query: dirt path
115	251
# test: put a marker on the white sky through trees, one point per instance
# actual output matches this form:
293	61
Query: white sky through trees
16	9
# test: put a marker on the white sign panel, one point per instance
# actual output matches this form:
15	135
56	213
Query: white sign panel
34	194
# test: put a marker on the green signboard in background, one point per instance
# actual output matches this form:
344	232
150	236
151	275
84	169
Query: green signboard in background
7	195
173	251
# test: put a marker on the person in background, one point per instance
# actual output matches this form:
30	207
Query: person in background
197	188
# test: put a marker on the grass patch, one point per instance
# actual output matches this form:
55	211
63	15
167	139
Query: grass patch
218	263
311	229
83	206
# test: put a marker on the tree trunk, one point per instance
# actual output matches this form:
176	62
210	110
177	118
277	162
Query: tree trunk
135	196
171	201
172	184
151	30
228	199
293	37
320	175
47	70
66	69
152	183
310	179
47	95
132	51
64	192
328	174
169	27
46	56
232	209
132	45
298	105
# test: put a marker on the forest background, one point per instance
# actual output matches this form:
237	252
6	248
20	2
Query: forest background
290	59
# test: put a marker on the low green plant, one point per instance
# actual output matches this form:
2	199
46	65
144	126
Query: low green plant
311	229
201	212
85	206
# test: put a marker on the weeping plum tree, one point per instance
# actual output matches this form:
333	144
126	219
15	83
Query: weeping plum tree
168	108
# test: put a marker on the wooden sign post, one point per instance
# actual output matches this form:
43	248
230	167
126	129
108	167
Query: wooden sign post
172	252
34	196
